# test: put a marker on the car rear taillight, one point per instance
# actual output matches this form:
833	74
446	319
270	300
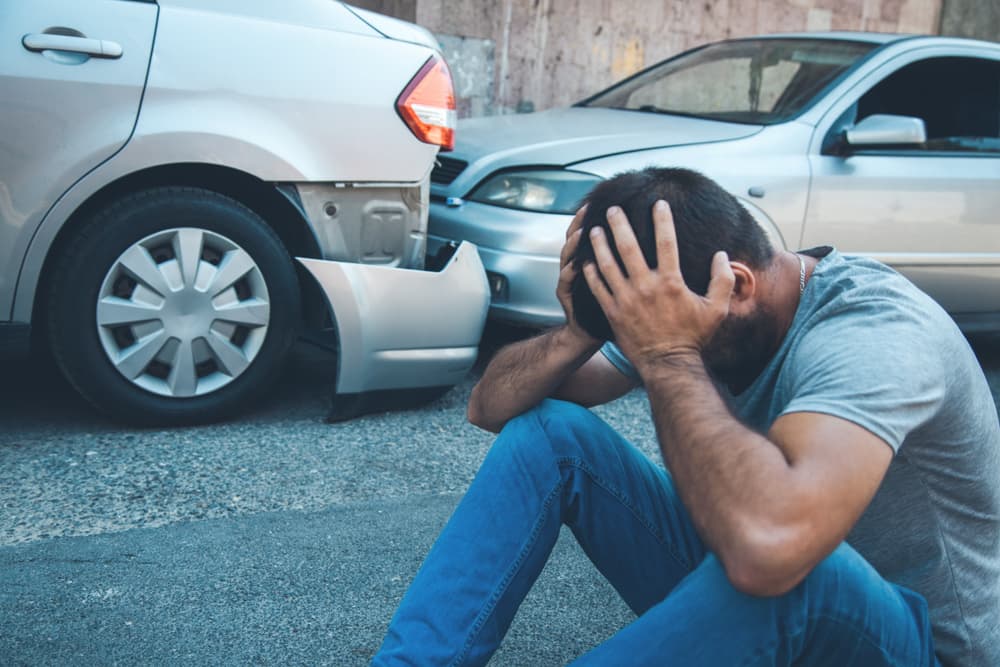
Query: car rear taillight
427	104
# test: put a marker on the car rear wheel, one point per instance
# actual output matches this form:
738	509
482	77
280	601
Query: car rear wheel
173	305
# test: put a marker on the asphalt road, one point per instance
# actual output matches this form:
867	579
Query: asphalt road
276	538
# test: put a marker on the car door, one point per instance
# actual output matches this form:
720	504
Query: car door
931	210
71	80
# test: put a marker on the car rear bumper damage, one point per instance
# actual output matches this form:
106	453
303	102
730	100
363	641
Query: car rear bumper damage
403	328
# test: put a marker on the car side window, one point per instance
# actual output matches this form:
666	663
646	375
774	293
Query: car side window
957	98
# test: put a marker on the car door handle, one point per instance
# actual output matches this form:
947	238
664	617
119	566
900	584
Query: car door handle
99	48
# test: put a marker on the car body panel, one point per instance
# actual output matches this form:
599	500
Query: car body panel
319	14
772	161
61	114
930	217
524	246
444	314
313	82
364	195
188	118
368	224
566	136
397	29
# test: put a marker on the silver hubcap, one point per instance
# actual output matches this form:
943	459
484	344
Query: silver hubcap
183	312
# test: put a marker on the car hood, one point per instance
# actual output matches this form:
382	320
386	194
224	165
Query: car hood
565	136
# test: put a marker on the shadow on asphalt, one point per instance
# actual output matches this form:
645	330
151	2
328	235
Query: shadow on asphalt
34	393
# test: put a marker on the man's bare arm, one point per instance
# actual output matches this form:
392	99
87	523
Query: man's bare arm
557	364
770	507
563	362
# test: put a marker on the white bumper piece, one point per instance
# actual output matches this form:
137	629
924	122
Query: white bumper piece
404	328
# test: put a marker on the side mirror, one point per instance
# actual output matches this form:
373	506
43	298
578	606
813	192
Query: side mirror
887	130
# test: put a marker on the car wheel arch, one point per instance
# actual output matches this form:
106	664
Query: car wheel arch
262	197
764	220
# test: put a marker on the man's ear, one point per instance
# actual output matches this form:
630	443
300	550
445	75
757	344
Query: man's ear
745	288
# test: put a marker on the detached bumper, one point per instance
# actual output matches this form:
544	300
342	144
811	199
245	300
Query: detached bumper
404	328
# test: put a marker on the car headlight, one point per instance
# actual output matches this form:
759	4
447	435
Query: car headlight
544	190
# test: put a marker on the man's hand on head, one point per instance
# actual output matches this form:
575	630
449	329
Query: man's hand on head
567	272
653	314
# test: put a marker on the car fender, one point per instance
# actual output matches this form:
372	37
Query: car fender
292	86
767	172
762	219
140	154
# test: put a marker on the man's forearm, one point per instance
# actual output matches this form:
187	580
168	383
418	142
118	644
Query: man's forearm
730	478
522	374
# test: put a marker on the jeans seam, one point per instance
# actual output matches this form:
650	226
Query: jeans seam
579	464
498	592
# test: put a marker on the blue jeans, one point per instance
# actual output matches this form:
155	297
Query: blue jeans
560	464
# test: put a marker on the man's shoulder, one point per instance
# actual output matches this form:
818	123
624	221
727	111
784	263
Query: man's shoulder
864	296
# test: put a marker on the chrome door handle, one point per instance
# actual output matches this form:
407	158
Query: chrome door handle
99	48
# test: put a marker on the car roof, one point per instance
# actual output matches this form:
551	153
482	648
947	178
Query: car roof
881	38
873	37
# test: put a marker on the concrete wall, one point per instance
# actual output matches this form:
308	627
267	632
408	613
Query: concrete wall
971	18
523	55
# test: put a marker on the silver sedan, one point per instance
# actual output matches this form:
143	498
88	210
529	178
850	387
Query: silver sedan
882	145
180	198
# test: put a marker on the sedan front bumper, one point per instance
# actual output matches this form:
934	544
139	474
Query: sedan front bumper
520	251
404	328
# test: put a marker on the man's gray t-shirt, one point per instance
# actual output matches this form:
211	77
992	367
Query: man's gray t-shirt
867	346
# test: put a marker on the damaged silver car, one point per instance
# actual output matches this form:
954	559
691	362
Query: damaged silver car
186	186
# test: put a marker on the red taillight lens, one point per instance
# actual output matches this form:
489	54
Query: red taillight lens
427	104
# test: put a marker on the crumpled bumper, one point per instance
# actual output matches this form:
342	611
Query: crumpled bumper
404	328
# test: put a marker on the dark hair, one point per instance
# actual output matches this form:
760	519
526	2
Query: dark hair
706	217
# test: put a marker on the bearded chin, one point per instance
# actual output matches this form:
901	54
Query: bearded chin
741	348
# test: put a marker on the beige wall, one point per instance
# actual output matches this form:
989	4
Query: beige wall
555	52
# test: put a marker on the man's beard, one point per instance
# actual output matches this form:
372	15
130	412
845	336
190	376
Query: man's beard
741	348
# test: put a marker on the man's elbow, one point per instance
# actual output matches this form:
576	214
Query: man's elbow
477	417
767	564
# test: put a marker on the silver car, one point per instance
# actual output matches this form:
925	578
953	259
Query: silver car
882	145
188	185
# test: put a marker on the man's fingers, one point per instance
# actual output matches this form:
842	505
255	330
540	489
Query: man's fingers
628	247
569	248
720	287
609	268
566	275
597	286
666	238
577	222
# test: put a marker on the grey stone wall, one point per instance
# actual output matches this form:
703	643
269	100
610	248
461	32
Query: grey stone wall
979	19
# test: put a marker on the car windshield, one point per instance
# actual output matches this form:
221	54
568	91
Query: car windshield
759	81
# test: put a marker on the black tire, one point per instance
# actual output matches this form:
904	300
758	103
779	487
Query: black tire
87	259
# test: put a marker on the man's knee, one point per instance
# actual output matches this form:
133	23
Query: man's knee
570	430
843	570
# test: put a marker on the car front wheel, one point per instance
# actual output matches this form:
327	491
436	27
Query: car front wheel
173	305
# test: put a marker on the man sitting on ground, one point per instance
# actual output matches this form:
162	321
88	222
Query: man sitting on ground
832	449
